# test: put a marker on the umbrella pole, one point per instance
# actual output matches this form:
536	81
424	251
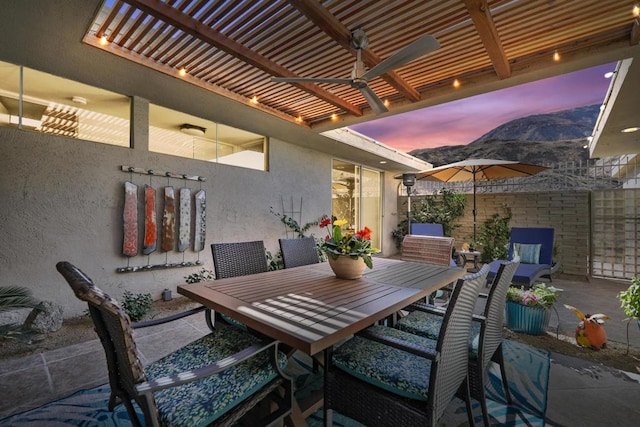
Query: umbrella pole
474	208
408	210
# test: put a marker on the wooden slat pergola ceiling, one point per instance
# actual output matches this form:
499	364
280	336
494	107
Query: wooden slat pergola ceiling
233	48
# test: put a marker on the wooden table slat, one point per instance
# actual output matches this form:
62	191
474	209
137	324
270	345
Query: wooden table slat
310	309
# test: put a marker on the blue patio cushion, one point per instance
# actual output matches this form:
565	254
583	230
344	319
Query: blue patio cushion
533	235
529	253
428	325
427	229
525	272
182	406
386	367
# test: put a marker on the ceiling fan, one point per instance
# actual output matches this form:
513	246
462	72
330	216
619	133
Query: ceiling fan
360	78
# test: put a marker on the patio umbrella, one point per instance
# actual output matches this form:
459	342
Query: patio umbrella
479	170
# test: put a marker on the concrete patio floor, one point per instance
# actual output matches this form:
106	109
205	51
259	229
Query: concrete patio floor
580	393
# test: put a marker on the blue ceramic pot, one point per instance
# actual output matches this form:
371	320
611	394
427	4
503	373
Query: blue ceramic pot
528	320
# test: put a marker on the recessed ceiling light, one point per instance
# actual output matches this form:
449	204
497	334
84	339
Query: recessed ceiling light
79	100
383	162
631	129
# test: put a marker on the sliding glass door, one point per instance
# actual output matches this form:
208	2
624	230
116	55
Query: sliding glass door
356	197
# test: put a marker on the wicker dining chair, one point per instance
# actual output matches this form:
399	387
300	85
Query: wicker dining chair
214	380
387	377
432	250
485	340
299	251
236	259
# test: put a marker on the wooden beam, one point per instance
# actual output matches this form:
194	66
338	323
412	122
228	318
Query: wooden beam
481	17
194	27
635	32
335	29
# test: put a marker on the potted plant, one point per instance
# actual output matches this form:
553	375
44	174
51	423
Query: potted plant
527	310
630	300
349	252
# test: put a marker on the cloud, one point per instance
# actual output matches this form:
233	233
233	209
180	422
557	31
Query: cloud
461	122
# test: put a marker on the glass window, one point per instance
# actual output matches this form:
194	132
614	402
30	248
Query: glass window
51	104
179	134
356	197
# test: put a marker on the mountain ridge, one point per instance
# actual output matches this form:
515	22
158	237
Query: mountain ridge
540	138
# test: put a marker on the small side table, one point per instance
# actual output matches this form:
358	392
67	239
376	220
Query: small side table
470	256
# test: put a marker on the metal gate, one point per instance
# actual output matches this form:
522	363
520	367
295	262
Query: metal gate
615	233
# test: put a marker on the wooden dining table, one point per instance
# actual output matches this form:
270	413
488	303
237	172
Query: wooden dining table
309	309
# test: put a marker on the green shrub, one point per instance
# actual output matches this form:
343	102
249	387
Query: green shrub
203	275
630	299
494	236
12	297
274	262
136	305
445	208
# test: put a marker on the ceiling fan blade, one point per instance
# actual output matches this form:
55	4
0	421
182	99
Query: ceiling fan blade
415	50
376	103
310	80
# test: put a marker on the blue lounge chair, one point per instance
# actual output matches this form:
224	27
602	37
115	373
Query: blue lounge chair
535	248
427	229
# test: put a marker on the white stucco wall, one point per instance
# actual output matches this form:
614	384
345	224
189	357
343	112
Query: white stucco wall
62	199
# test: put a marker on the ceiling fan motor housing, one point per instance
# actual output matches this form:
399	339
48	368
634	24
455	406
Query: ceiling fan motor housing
359	39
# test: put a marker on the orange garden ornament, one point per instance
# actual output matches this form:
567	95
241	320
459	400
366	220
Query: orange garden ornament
590	332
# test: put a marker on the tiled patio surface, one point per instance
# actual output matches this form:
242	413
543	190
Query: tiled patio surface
579	393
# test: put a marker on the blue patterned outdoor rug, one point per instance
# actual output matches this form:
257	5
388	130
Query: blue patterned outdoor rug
528	374
527	370
83	408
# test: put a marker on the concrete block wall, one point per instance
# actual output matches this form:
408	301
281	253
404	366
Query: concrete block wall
565	211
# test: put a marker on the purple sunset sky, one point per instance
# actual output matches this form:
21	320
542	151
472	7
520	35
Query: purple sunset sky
461	122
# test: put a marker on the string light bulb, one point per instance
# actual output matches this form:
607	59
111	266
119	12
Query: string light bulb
254	100
636	10
556	56
103	40
182	72
386	103
334	116
299	119
456	83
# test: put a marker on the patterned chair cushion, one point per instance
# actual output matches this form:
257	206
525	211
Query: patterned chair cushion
386	367
428	325
234	322
183	405
421	323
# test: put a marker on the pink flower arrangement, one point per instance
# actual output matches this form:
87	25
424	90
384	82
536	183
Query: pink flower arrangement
539	295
